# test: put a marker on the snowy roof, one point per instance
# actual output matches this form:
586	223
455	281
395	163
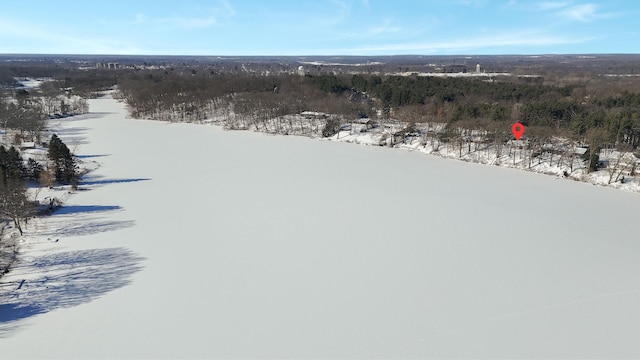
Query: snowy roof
313	113
580	150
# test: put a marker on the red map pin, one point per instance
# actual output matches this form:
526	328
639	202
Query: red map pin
517	129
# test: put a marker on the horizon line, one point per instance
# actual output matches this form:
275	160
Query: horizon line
319	56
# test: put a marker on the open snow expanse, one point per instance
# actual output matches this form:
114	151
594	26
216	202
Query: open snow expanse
194	242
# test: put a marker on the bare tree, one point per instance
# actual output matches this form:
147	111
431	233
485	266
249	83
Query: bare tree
620	162
50	91
571	154
14	203
25	115
499	132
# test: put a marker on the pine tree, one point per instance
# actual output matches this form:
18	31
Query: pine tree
11	163
16	163
65	169
55	147
33	169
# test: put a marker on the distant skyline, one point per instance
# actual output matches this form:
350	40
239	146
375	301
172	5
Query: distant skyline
319	27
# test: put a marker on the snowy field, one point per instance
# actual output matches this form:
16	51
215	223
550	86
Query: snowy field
193	242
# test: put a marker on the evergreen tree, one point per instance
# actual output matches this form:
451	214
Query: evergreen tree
63	162
33	169
55	147
11	163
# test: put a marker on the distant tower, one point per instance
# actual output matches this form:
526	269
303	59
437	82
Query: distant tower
478	68
301	70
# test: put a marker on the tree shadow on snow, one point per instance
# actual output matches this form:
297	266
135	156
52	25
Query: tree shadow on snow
83	220
72	136
76	209
89	228
72	131
63	280
91	156
99	181
91	115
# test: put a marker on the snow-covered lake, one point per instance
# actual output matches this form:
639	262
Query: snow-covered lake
194	242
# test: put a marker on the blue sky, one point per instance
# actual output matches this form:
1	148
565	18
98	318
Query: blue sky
319	27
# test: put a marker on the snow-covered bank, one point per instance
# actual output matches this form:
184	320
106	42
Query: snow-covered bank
560	158
556	156
194	242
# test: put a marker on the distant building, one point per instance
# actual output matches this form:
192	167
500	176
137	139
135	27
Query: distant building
368	123
302	71
27	145
107	66
478	68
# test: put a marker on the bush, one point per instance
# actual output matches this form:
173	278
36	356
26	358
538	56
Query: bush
331	127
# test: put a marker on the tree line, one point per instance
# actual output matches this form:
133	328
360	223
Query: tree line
568	110
243	101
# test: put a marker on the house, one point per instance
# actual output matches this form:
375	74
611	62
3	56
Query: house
368	123
27	145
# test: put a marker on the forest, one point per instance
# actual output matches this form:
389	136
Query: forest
588	102
572	110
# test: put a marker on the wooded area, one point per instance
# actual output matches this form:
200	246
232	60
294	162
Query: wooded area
23	119
570	111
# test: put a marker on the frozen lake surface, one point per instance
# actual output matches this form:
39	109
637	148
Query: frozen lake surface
194	242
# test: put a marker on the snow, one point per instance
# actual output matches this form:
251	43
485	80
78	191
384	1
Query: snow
514	154
325	63
30	83
188	241
452	74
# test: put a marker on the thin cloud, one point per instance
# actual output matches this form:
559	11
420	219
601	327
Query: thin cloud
471	44
326	17
225	8
140	19
222	11
55	42
190	22
473	3
385	28
552	5
584	13
342	8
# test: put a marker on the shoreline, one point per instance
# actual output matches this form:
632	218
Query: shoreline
600	177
